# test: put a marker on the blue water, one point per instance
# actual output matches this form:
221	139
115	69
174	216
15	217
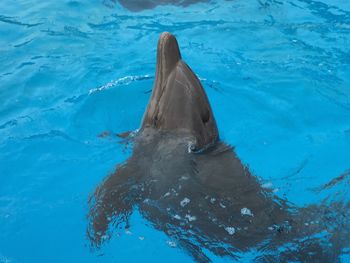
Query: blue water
277	74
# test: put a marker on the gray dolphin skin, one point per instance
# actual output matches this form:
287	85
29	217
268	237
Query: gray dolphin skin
193	187
139	5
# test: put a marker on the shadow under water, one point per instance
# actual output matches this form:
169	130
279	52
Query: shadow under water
139	5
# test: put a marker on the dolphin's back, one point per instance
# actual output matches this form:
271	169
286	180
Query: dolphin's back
205	200
179	191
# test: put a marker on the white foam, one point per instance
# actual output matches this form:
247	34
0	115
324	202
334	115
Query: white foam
171	243
246	212
268	185
177	217
190	218
127	80
222	205
231	230
185	202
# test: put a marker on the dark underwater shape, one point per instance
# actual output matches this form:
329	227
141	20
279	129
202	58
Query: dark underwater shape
192	186
139	5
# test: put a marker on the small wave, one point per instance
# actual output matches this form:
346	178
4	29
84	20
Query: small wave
212	84
105	25
24	64
13	21
334	181
75	99
4	259
124	81
51	134
67	31
10	123
14	122
23	43
74	31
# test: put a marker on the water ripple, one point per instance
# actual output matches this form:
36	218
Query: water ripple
124	81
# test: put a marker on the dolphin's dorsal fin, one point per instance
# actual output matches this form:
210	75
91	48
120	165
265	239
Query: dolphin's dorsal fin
168	54
178	101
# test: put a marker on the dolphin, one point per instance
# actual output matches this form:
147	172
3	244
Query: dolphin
193	187
139	5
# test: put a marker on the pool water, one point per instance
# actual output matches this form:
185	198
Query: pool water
277	74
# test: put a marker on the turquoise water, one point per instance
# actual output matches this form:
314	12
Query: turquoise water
277	74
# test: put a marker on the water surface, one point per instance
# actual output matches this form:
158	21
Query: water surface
277	74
